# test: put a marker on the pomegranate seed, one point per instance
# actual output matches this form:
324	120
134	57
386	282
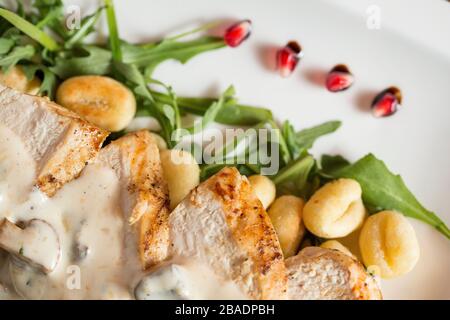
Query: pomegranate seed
339	78
237	33
288	57
387	102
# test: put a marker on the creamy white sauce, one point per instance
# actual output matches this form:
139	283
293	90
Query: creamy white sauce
17	171
98	252
191	280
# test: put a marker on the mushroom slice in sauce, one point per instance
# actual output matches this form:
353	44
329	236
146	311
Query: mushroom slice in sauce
28	282
37	243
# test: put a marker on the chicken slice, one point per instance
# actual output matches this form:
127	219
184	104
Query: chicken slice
323	274
60	142
144	195
223	225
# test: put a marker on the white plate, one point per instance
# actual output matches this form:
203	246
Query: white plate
411	50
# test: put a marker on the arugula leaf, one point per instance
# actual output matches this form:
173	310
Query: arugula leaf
232	113
149	57
172	113
17	54
96	62
330	164
297	178
167	114
299	142
306	137
50	12
386	191
196	30
86	27
29	29
49	80
228	151
284	150
289	136
45	7
131	74
212	112
6	45
298	168
114	40
48	84
230	154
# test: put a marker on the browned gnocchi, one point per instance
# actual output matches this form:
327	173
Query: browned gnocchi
102	101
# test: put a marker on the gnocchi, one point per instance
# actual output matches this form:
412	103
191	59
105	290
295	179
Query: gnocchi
336	245
264	189
388	242
181	172
15	78
286	216
102	101
335	210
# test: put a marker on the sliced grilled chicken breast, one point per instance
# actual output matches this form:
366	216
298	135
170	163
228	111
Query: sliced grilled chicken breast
59	141
323	274
222	224
144	195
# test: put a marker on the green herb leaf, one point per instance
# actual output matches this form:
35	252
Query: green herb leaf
114	40
196	30
93	61
172	113
49	79
386	191
48	84
232	113
299	142
17	54
149	57
228	152
306	137
331	164
284	150
297	169
132	75
167	114
51	12
29	29
86	27
289	137
6	45
212	112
